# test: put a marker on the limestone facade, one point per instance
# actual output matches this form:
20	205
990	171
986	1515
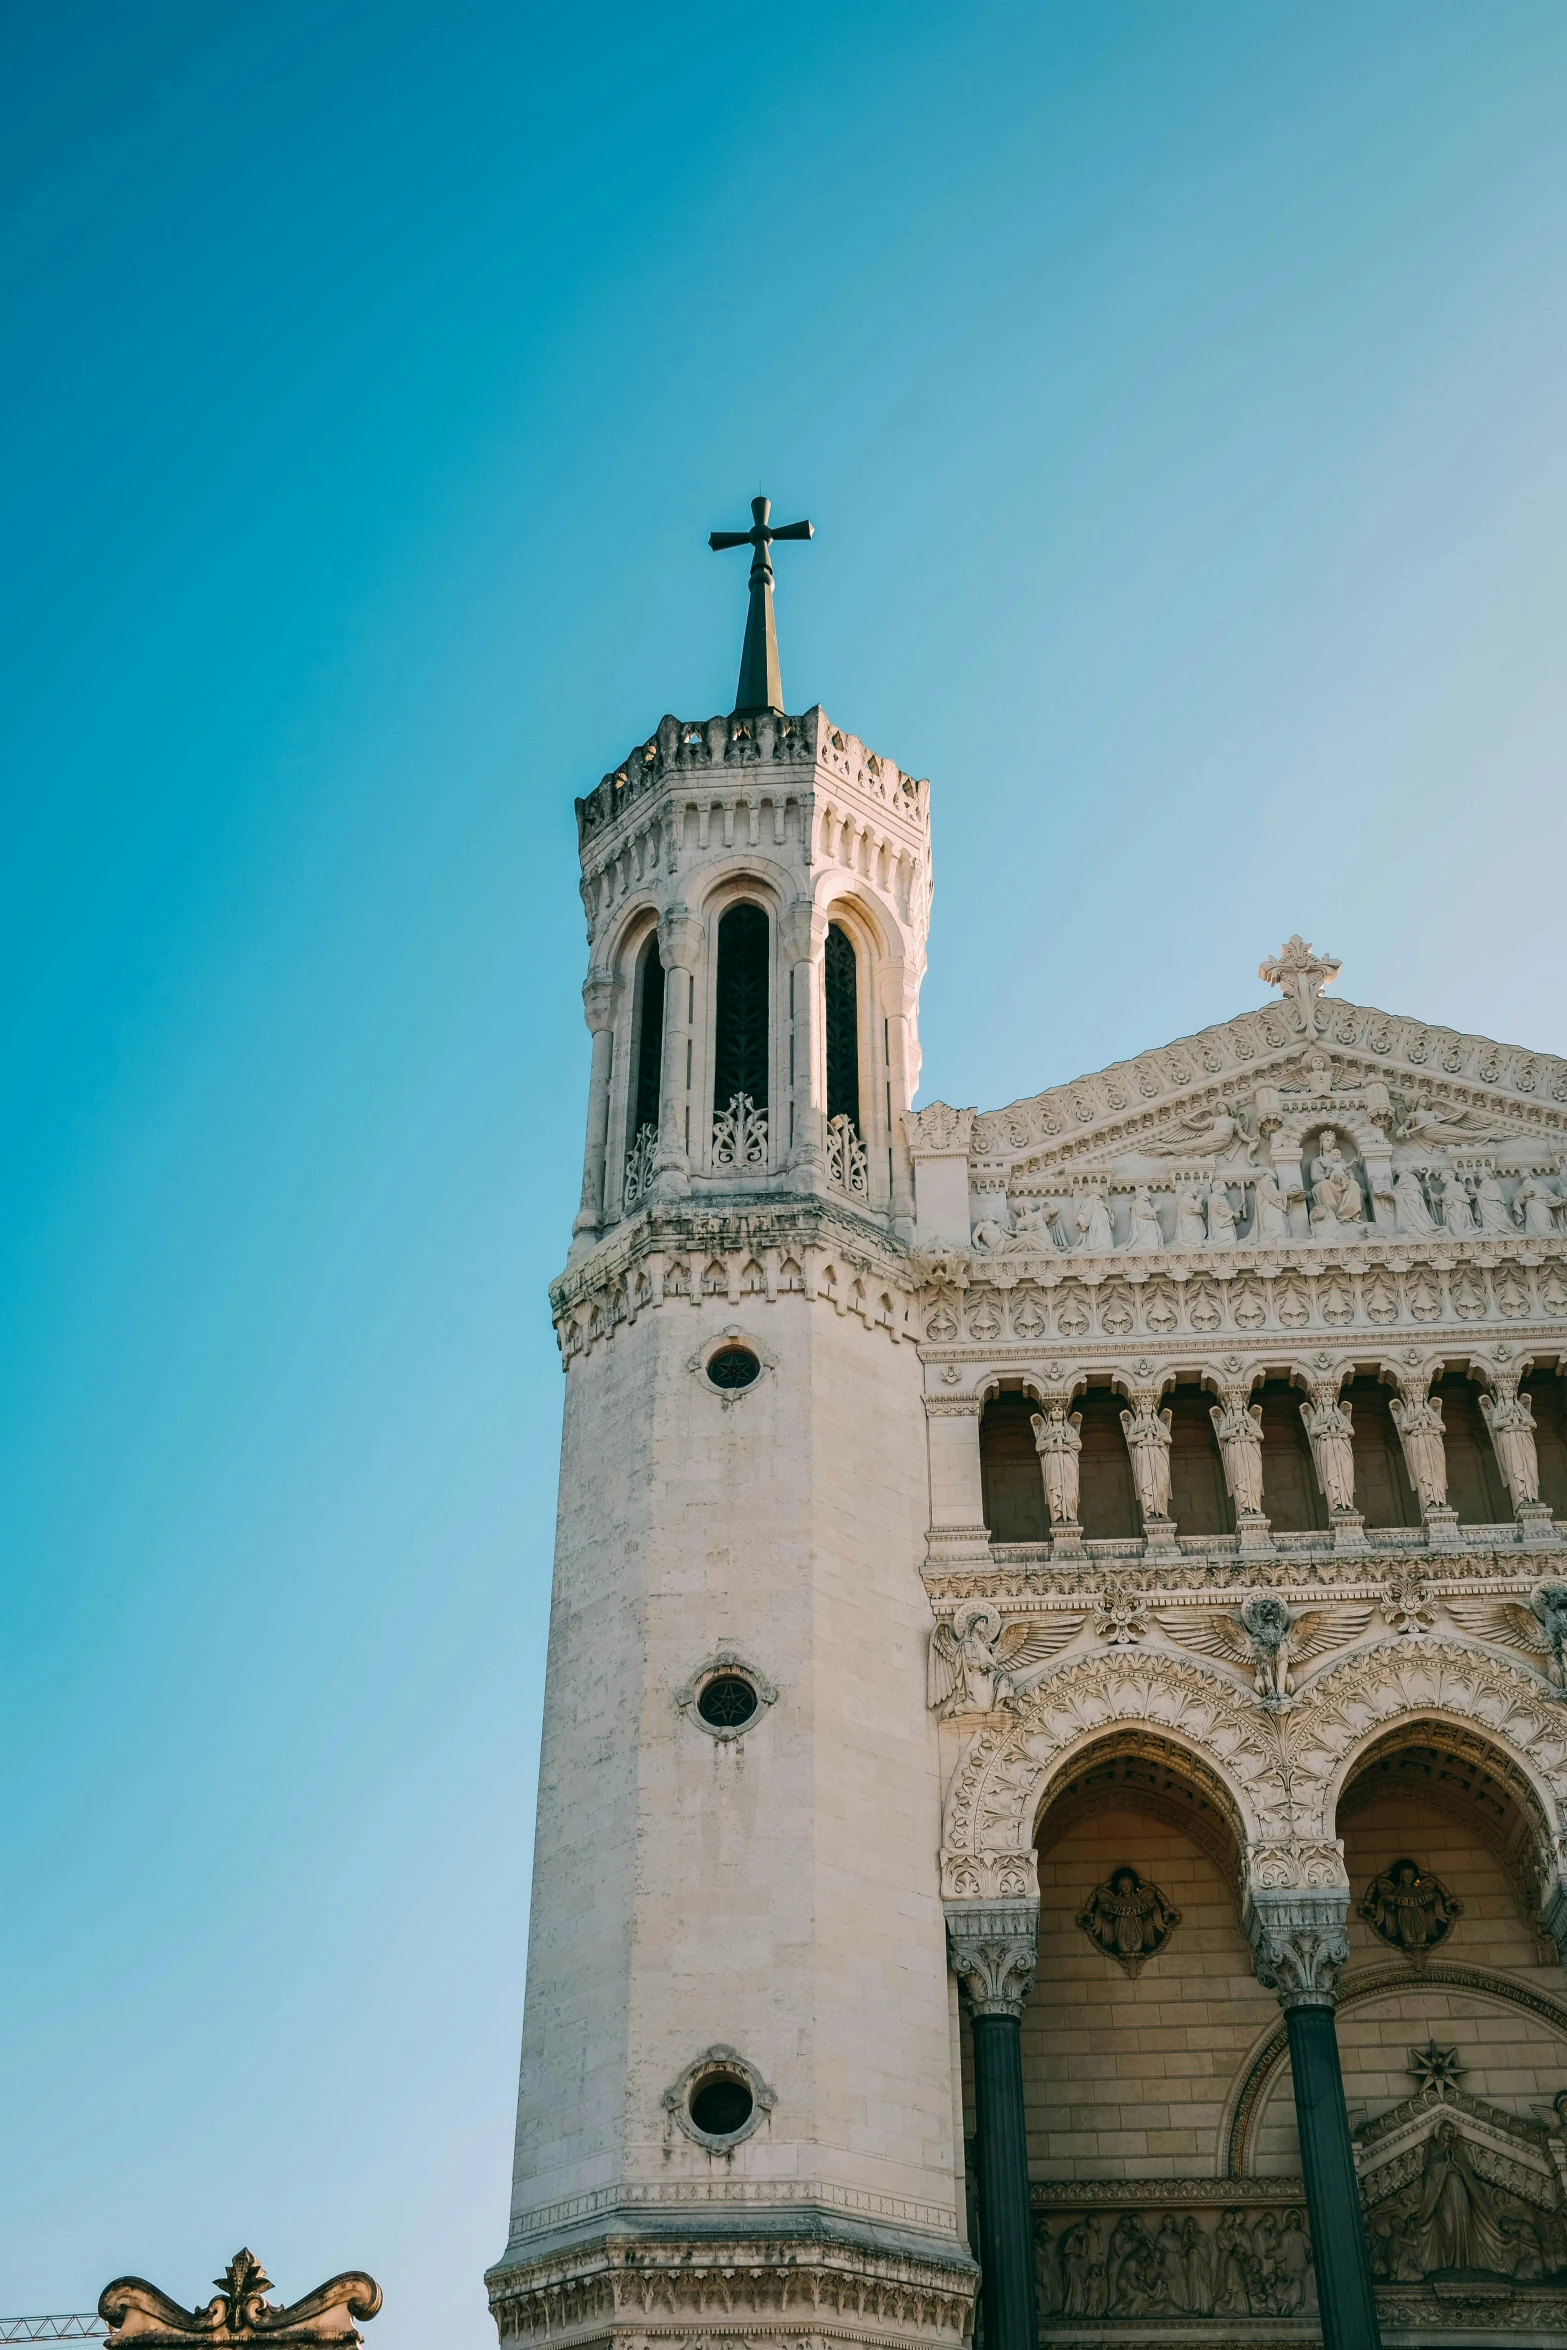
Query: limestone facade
1040	1589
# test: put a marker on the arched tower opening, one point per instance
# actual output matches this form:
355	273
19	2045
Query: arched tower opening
647	1070
841	988
740	1034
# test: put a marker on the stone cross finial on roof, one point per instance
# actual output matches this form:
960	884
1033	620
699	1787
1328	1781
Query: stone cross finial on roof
1296	971
760	687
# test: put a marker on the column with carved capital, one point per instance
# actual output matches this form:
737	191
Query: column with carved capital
802	930
679	949
1301	1948
994	1949
599	991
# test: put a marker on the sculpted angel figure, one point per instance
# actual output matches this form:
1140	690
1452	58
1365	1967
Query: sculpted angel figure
1537	1631
1270	1223
1128	1918
1223	1135
1425	1123
1457	1214
1491	1207
1148	1440
1418	1420
1337	1201
1409	1908
1095	1232
1146	1232
1409	1202
1266	1636
1058	1442
973	1666
1238	1427
1535	1203
1511	1423
1191	1224
1221	1218
1330	1429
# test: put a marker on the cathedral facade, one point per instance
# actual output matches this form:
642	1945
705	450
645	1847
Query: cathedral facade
1055	1750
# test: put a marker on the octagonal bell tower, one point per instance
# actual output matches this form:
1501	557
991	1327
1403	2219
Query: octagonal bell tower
738	2079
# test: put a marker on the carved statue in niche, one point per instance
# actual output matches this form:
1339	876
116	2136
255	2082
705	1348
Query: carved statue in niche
1457	1214
1238	1427
1330	1431
1492	1209
1410	1205
1410	1909
1128	1919
1338	1205
1535	1203
1058	1442
1191	1225
1418	1420
1511	1422
973	1666
1270	1223
1146	1230
1095	1232
1221	1218
1148	1439
1458	2222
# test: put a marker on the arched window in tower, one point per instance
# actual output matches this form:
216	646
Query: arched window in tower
647	1069
740	1039
845	1144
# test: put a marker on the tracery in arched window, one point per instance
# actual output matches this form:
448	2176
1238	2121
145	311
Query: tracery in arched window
740	1038
843	1026
647	1069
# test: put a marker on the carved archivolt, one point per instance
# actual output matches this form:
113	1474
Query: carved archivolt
1004	1779
1279	1774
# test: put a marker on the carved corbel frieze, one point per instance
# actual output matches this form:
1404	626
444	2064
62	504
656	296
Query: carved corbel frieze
1299	1943
993	1948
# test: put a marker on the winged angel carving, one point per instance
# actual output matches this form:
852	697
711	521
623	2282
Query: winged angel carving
1538	1630
1269	1638
976	1667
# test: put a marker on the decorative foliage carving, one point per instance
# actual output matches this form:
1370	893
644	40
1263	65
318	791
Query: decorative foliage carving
1128	1919
135	2311
1299	1943
847	1165
994	1949
740	1134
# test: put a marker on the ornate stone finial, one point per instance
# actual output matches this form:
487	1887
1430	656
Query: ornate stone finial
760	687
135	2311
1297	972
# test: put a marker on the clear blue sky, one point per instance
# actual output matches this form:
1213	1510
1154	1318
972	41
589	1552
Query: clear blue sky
1178	392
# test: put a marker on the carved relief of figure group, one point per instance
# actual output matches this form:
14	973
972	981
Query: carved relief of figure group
1416	1202
1170	2264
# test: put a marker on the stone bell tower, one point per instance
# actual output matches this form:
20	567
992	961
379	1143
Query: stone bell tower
738	2073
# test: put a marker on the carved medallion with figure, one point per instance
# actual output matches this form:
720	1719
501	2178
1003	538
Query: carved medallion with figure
1128	1919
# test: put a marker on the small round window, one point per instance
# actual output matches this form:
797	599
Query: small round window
721	2104
733	1366
727	1702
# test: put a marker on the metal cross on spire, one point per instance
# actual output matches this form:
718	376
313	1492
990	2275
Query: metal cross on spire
759	687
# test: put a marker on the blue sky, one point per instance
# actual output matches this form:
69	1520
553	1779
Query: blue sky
1178	393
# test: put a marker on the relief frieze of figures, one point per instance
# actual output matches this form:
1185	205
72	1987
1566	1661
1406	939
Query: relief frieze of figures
1233	2263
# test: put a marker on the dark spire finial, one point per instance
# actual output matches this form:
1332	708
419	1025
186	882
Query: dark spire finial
759	687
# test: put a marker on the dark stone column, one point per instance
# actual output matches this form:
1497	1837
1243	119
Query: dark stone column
994	1950
1301	1947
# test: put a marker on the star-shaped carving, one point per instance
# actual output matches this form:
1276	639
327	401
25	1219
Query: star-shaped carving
1436	2068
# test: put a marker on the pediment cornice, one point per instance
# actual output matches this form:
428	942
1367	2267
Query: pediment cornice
1116	1109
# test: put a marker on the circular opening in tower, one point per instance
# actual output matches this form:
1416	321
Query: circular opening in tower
721	2104
733	1366
727	1702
